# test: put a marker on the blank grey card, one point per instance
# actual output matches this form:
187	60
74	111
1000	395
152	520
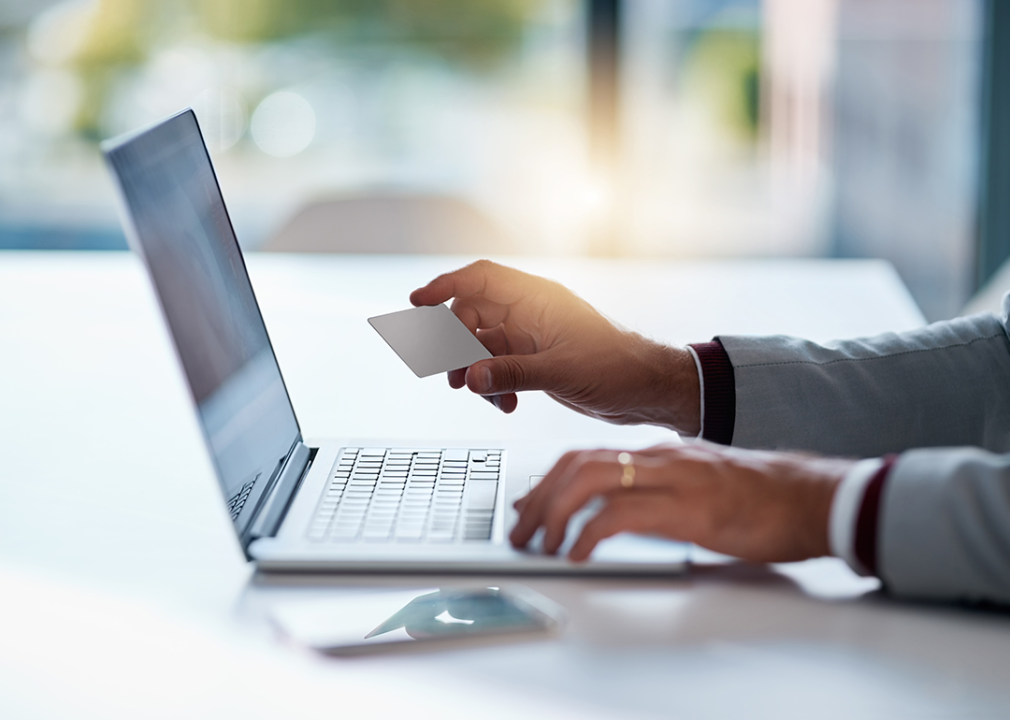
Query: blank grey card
430	340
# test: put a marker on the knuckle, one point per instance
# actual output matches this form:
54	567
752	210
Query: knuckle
594	466
571	455
513	373
554	288
605	524
692	466
556	515
609	519
580	460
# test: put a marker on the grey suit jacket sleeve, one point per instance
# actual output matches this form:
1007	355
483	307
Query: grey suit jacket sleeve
944	518
944	526
946	384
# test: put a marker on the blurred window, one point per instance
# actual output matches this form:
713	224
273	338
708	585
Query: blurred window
907	142
746	127
845	128
299	99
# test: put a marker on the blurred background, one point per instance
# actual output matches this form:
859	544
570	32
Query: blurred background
671	128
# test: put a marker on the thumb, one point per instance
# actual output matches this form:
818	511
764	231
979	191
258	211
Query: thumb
508	374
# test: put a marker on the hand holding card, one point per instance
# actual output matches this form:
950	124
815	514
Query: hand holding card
430	339
544	337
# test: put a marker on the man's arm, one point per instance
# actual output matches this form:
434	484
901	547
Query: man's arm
944	385
932	523
943	526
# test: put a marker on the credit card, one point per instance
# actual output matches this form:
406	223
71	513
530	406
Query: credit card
430	340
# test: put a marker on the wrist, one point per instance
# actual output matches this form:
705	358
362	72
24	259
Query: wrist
669	388
824	477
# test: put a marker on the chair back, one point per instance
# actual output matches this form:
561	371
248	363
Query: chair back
390	223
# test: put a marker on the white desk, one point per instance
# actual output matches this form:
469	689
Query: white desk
126	595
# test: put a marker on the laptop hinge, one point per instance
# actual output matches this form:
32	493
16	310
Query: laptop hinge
269	518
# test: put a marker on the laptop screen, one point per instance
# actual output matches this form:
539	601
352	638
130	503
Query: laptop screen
181	229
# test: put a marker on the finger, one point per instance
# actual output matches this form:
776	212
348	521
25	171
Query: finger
496	282
495	340
600	473
496	343
506	340
632	512
529	513
541	498
611	520
507	403
568	487
479	313
591	474
515	373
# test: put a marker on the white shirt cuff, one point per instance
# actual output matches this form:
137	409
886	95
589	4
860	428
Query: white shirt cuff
701	392
845	511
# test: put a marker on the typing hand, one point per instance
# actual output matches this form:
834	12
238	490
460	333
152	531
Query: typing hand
761	506
544	337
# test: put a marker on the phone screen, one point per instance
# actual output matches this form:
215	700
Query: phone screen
355	622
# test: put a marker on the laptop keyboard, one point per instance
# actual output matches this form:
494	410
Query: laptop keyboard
410	496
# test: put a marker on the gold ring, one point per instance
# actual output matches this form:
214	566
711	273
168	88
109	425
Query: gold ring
628	470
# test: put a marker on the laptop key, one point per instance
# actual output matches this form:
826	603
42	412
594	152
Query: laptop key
480	495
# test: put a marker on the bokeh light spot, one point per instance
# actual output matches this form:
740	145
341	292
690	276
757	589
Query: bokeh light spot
222	117
283	124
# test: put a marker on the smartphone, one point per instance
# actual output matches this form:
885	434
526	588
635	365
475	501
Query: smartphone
359	623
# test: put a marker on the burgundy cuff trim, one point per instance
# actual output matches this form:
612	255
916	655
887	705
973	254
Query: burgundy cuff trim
720	392
867	524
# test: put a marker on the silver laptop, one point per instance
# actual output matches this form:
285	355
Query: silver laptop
345	505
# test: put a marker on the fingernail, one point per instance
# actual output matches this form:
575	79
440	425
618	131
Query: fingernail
485	379
496	399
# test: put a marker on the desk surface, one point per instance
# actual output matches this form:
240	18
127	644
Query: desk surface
127	596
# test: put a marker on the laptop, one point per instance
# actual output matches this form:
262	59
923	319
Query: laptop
345	505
